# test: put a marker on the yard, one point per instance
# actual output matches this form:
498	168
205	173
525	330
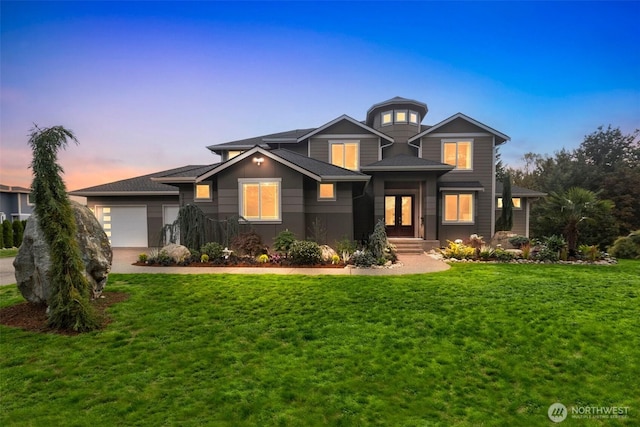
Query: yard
479	344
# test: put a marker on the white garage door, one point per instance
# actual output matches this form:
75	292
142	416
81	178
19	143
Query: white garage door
126	226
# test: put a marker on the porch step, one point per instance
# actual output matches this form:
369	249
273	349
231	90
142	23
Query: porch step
407	245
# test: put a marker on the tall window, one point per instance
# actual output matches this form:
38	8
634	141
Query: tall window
260	199
457	153
345	154
517	202
458	208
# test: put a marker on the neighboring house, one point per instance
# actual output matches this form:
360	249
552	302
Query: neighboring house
15	203
428	184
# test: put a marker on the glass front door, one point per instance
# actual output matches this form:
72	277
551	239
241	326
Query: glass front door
398	215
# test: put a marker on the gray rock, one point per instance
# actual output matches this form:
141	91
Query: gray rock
178	253
33	262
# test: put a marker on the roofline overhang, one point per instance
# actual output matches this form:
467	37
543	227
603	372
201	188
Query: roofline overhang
349	119
216	148
123	193
407	168
461	188
177	180
526	195
464	117
335	178
424	109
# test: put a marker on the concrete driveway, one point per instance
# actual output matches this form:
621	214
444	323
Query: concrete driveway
123	258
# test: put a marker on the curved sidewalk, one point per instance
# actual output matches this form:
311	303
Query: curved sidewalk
123	259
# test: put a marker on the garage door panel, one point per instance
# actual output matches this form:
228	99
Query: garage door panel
126	226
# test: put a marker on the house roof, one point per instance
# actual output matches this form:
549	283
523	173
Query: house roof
14	189
364	126
290	136
501	136
316	169
405	162
397	101
519	191
139	186
461	186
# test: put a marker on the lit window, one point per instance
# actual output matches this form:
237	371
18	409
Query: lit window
413	118
401	116
458	208
386	118
203	192
457	153
517	203
260	200
326	191
233	153
345	154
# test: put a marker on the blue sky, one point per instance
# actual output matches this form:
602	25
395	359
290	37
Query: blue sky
146	86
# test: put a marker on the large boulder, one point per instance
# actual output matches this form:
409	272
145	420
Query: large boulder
501	239
33	262
177	253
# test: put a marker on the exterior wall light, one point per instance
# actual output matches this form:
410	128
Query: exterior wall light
258	160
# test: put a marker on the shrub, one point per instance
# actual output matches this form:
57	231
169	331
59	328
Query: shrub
378	242
283	241
590	252
526	250
363	259
164	258
625	248
142	258
7	234
304	252
195	255
347	246
204	258
18	231
1	236
519	241
555	243
212	249
458	250
503	255
263	259
635	237
249	243
335	259
486	253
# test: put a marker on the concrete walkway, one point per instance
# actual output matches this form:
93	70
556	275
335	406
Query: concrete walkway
124	258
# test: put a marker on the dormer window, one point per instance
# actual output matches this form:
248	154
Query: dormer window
401	116
413	118
387	118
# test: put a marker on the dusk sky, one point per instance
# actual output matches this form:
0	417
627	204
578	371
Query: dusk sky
147	86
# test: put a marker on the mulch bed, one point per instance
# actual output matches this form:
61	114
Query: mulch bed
33	317
257	265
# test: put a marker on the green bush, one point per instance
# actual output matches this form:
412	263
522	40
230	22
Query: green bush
7	234
458	251
590	252
143	258
304	252
283	241
164	258
635	237
347	246
378	242
363	259
18	231
518	241
503	255
1	236
625	248
212	249
204	258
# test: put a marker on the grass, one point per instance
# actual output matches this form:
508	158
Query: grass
475	345
8	252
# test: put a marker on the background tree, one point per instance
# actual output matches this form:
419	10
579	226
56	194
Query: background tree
18	231
7	234
505	222
69	302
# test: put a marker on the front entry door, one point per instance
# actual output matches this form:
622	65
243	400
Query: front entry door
398	215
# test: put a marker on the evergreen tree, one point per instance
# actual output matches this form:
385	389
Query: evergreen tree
69	302
18	231
505	222
7	234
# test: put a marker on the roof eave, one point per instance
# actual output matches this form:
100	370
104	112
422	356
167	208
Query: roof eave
123	193
407	168
349	119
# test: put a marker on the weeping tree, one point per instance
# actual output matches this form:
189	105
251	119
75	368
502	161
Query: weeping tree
505	222
69	306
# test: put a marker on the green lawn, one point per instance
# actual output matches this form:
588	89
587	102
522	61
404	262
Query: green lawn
8	252
476	345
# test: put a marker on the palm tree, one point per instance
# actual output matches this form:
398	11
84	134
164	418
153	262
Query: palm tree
69	302
571	208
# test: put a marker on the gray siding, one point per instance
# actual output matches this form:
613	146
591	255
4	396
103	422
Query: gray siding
335	217
369	148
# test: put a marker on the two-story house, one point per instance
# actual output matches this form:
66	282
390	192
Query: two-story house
427	183
15	203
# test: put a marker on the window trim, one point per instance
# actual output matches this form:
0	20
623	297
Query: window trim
236	153
344	142
202	199
417	122
327	199
457	141
458	221
499	203
278	181
391	117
